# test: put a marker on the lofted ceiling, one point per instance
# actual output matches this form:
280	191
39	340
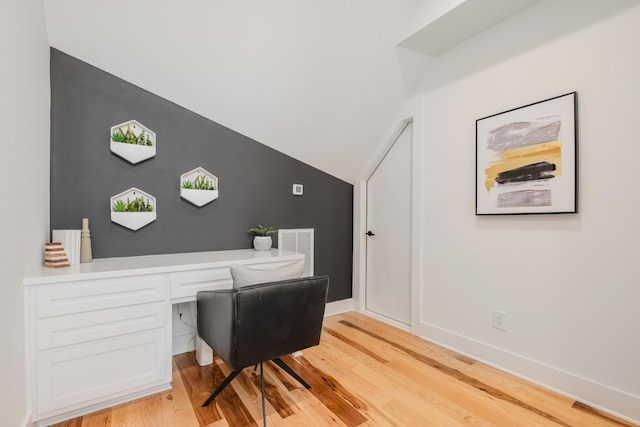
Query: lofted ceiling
319	80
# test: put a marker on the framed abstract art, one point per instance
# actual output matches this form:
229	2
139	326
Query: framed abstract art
526	159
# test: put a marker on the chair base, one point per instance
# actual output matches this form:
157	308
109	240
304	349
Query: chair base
290	371
234	374
221	387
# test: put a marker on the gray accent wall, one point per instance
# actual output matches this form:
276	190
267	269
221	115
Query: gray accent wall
255	182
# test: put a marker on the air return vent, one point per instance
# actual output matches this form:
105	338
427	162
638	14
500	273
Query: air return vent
298	240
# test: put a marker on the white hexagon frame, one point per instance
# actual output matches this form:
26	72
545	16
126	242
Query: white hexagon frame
198	197
133	153
133	220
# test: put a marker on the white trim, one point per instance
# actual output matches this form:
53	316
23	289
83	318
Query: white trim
388	146
29	330
27	421
387	320
338	307
417	211
360	240
612	401
413	111
408	114
54	419
359	244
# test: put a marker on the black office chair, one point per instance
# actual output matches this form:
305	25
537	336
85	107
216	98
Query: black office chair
253	324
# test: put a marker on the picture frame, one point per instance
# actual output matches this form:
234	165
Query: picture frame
526	159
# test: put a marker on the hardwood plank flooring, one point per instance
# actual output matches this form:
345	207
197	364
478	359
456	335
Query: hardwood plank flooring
363	373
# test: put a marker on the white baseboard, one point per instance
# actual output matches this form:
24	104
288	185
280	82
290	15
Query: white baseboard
387	320
599	396
28	420
55	419
338	307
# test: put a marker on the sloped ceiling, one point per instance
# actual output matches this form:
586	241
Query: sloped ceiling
319	80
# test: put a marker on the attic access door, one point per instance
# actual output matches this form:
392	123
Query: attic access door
388	280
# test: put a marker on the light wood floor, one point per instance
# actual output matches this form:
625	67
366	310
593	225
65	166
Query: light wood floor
363	373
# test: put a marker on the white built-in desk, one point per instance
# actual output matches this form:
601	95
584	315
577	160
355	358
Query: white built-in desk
100	333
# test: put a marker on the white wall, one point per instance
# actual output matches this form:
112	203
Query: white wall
24	180
569	283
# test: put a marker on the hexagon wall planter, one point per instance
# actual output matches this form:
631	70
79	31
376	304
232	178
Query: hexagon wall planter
133	220
134	152
198	197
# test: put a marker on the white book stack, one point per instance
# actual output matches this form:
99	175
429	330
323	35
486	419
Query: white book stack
70	240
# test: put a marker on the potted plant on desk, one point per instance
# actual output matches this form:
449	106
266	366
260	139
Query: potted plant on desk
262	240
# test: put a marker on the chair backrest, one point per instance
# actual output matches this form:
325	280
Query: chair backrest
255	323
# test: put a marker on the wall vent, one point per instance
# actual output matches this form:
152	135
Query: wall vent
298	240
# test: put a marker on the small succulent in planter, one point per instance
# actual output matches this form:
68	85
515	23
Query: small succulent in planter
139	204
201	183
199	186
119	206
262	240
132	141
133	208
128	137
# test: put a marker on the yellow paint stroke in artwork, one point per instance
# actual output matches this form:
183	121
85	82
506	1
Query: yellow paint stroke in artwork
511	159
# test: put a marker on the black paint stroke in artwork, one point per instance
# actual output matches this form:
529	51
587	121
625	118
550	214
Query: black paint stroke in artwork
532	172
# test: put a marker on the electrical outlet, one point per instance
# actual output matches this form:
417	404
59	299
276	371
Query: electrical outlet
500	320
183	307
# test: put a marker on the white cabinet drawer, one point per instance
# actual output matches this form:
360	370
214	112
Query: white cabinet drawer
77	297
86	326
82	375
187	284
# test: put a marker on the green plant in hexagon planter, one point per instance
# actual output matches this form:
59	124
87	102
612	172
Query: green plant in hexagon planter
199	186
133	141
133	208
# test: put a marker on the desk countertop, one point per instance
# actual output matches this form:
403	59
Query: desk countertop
155	264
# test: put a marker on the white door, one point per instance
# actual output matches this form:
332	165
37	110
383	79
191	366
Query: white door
388	281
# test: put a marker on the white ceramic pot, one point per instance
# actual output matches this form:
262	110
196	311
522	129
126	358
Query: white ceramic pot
262	243
133	220
198	197
133	153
